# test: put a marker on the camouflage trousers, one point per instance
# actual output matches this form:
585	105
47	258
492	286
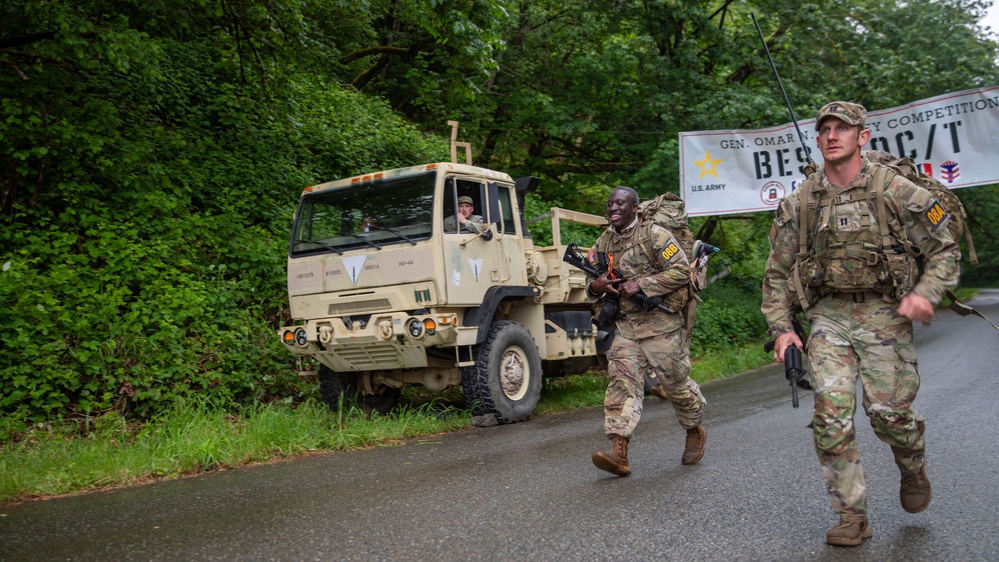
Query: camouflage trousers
666	358
871	341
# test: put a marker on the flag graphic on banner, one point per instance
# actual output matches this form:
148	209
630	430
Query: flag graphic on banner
950	171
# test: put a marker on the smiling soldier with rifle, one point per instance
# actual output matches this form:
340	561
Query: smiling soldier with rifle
648	264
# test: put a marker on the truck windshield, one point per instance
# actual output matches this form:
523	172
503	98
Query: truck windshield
369	215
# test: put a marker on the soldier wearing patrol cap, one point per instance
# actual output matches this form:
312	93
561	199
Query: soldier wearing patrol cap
466	217
844	248
646	341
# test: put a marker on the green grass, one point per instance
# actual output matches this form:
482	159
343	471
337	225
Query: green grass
196	437
721	364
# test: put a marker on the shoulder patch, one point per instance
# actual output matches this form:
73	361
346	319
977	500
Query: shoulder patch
670	252
935	214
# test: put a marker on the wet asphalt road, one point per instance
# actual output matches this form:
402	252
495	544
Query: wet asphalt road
529	492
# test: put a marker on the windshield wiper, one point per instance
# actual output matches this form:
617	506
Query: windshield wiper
397	232
317	242
363	239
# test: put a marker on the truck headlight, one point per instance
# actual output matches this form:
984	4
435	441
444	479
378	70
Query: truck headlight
301	338
414	327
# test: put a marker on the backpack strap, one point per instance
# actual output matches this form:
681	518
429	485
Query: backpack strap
803	228
889	220
877	192
972	257
803	202
962	309
645	239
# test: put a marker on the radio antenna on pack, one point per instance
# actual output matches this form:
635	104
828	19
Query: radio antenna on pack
801	137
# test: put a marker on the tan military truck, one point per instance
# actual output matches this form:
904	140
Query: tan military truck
389	289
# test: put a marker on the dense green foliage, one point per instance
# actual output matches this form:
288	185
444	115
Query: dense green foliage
153	152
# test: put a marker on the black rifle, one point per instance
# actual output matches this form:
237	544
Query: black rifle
793	371
608	311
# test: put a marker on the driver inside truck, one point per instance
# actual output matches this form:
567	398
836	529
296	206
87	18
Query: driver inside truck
466	217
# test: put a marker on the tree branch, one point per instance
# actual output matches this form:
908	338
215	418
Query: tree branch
379	50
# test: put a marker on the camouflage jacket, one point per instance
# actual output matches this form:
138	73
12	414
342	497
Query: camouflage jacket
475	223
632	251
911	208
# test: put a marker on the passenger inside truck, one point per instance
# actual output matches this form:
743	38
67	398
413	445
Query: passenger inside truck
463	195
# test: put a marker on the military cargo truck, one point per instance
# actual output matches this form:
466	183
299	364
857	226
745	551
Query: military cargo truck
387	289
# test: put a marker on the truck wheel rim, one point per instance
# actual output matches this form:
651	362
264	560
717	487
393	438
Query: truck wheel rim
514	373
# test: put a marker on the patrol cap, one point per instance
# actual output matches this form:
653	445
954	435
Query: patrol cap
850	113
465	199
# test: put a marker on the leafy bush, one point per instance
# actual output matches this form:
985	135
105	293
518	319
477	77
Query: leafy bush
147	207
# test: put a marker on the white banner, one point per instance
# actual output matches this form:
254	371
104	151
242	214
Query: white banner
952	137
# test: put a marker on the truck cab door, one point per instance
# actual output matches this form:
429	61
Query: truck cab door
512	266
471	260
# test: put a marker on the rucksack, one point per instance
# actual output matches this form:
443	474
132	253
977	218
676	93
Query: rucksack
905	167
668	211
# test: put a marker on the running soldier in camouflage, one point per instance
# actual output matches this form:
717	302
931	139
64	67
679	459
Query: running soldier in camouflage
858	280
645	341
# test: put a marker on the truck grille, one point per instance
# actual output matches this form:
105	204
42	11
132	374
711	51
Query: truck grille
371	357
348	308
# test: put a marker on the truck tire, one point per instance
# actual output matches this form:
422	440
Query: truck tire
505	382
333	386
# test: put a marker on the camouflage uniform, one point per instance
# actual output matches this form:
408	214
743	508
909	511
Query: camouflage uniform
648	341
856	331
474	223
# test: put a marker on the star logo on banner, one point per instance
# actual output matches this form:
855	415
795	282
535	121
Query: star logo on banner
708	166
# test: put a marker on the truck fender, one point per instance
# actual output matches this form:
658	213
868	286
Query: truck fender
482	316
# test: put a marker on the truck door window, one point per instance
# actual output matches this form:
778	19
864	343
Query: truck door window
506	208
456	192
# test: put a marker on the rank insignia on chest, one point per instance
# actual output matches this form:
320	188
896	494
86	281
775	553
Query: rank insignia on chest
935	214
669	251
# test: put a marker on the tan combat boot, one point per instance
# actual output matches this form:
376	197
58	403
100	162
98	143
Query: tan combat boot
694	449
616	461
915	492
849	533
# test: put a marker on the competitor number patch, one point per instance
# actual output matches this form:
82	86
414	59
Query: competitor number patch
935	214
669	251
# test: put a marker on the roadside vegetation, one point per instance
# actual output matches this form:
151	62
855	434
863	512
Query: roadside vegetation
194	437
109	451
